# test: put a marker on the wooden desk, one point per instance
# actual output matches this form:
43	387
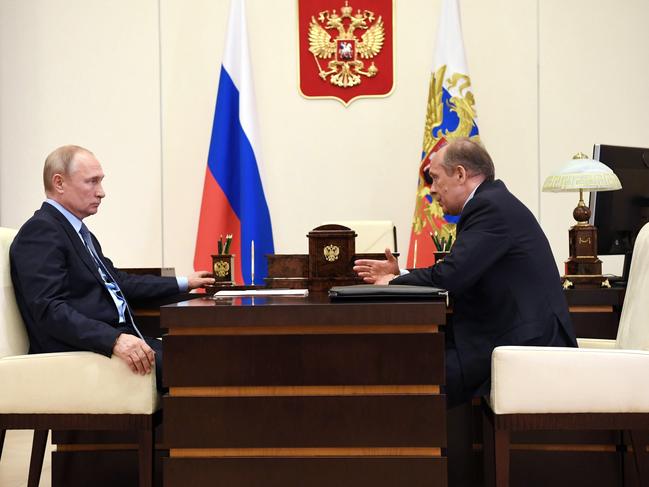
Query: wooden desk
595	313
596	458
300	391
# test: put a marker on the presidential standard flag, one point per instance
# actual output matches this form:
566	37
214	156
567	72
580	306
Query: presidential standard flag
450	114
233	194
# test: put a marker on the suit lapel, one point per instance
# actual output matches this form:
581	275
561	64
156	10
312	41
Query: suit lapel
75	240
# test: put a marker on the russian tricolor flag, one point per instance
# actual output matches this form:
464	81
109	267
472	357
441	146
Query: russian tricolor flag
233	195
450	114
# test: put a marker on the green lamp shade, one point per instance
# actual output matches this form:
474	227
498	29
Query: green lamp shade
582	173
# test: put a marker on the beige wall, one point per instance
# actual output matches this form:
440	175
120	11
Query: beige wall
135	81
84	72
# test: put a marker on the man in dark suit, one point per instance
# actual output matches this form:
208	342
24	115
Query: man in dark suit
69	294
500	273
501	276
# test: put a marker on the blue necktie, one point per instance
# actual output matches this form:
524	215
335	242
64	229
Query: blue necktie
123	308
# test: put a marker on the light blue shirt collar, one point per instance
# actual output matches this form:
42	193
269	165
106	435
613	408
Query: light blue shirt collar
74	221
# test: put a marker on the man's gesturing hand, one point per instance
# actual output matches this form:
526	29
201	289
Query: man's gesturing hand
377	271
135	352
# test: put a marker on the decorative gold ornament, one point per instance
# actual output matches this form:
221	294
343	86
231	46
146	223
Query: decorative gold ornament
462	103
331	253
221	268
346	69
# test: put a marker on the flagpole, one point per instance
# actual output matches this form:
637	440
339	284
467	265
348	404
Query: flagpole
235	121
449	80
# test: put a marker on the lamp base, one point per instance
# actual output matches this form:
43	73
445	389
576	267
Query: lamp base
583	268
581	281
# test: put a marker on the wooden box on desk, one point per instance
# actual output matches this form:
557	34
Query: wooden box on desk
288	271
331	250
329	263
291	271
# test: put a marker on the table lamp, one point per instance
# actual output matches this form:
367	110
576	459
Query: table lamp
583	268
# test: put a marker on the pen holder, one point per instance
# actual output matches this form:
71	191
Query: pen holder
222	268
440	255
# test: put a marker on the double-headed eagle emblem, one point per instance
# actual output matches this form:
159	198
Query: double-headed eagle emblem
348	51
221	268
331	252
450	114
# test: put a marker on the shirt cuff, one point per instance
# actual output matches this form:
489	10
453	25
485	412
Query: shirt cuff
183	283
403	272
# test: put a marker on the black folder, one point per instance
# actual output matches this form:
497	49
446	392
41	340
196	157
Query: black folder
386	292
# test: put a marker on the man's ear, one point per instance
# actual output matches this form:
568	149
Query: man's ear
460	173
57	183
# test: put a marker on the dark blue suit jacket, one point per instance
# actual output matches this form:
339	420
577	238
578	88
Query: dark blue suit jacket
61	296
503	280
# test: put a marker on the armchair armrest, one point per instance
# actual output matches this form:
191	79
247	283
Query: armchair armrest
595	343
74	382
574	380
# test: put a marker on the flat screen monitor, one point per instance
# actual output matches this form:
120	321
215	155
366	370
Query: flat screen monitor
619	215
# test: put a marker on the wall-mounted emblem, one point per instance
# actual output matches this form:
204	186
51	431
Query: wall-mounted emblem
346	48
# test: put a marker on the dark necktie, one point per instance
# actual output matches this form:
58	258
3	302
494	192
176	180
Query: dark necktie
109	281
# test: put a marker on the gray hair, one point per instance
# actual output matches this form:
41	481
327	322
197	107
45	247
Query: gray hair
470	154
60	162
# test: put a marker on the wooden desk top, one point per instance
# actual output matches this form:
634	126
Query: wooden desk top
312	310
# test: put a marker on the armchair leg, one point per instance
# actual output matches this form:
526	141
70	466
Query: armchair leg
488	457
501	447
36	461
640	440
2	440
145	457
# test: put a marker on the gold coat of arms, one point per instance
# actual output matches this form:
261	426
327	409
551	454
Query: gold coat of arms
345	48
331	253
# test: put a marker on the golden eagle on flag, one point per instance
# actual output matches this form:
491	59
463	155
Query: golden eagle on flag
450	113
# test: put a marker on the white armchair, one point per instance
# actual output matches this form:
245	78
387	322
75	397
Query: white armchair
604	384
67	390
372	235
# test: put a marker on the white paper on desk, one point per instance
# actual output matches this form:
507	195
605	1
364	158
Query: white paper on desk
261	292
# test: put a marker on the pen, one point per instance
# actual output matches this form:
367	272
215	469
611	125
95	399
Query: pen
436	241
228	241
252	262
